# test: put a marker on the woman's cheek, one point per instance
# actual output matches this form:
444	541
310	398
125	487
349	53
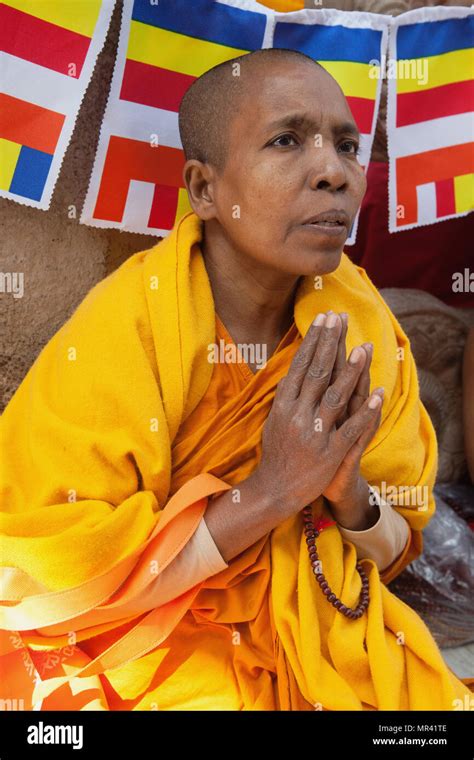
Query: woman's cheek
362	181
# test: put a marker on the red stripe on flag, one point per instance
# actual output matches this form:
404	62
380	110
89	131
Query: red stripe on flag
134	159
153	86
363	113
29	124
38	41
445	200
447	100
163	207
430	166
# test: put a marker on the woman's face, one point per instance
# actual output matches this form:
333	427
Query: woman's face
291	156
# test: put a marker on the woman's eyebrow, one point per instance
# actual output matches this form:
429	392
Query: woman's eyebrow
292	120
347	127
304	121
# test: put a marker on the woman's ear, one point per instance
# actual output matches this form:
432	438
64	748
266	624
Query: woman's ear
198	178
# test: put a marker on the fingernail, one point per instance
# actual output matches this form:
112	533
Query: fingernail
355	356
375	401
331	320
319	320
369	347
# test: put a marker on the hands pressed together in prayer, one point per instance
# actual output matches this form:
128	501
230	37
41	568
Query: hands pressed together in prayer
322	419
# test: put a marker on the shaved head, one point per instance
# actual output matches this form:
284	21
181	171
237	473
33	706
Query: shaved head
267	151
211	102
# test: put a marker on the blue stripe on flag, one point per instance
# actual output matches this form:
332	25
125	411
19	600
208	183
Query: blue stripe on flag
329	43
206	20
435	37
31	172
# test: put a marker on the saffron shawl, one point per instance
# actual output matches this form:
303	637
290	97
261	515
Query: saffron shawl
89	503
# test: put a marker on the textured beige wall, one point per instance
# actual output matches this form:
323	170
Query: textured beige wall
60	259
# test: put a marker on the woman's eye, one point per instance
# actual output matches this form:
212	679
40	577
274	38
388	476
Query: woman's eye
349	146
283	137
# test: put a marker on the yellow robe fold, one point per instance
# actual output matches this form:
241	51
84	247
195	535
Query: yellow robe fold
110	449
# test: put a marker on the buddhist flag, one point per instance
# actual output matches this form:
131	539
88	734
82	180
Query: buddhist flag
351	47
49	51
136	183
430	121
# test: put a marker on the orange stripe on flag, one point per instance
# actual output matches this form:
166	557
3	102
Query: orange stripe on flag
423	168
29	124
133	159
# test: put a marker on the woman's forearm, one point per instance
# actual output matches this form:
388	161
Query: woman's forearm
241	516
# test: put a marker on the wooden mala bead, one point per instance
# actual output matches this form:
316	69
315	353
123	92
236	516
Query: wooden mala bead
311	534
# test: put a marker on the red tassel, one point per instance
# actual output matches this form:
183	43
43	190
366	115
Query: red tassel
322	523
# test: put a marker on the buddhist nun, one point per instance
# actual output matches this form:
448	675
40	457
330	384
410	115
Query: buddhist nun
214	468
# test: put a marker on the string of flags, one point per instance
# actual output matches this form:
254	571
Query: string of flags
50	50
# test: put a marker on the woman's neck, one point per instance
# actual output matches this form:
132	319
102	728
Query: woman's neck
251	301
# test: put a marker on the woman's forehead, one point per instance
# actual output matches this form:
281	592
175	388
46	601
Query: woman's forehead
274	89
301	109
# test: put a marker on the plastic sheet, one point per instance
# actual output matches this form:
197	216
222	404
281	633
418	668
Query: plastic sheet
439	585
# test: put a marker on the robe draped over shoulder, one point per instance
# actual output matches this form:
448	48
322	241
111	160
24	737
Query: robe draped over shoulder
111	448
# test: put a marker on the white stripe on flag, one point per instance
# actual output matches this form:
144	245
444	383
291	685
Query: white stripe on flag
431	135
37	84
138	205
141	122
426	199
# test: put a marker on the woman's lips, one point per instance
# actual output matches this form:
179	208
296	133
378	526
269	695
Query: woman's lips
333	229
332	222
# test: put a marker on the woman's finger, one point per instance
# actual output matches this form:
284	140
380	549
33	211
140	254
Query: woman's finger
335	399
362	389
347	435
341	359
340	362
289	386
355	453
318	374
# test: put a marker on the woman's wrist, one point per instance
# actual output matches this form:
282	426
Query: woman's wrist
355	512
286	502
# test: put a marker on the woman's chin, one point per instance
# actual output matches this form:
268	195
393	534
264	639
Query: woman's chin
303	262
324	262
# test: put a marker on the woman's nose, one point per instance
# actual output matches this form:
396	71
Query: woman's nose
327	170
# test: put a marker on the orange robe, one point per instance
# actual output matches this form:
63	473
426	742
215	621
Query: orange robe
258	635
220	436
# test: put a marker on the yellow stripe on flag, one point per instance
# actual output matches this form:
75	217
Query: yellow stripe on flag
9	152
415	74
354	78
77	15
464	193
177	52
